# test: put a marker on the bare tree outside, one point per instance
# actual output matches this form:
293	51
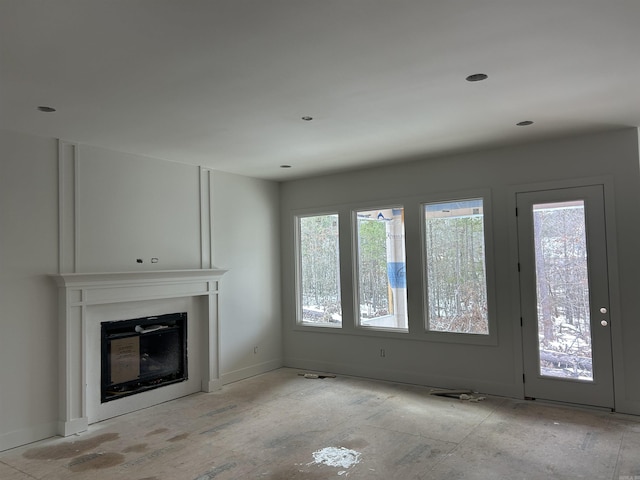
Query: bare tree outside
455	267
562	287
319	270
372	267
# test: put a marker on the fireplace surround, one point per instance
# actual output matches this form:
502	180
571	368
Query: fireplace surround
86	300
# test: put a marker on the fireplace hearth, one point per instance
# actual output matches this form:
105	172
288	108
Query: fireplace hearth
142	354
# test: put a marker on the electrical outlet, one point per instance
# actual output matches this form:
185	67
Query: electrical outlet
383	353
255	350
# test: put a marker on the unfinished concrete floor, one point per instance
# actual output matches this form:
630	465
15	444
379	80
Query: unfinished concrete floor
269	426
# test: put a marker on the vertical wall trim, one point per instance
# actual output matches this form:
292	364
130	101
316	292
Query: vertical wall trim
206	221
67	207
61	205
76	214
210	177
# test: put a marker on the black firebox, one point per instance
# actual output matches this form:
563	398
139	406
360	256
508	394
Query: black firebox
142	354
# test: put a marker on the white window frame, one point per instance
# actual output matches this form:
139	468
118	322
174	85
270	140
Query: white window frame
461	337
356	273
298	270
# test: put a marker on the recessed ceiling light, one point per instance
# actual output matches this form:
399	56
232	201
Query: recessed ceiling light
285	166
307	119
477	77
524	123
46	109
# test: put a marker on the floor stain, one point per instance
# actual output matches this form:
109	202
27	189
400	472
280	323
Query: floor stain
362	399
293	474
95	461
222	426
157	431
381	412
355	443
216	471
138	448
589	440
291	440
414	455
69	449
177	438
502	427
219	410
153	455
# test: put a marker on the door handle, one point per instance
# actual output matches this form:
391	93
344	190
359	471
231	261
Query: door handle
604	323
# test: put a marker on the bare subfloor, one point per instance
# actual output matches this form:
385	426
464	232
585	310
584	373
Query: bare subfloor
270	426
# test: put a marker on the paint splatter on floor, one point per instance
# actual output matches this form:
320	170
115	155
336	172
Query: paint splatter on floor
336	457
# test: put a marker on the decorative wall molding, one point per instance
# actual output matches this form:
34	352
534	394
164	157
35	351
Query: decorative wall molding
67	211
69	165
206	218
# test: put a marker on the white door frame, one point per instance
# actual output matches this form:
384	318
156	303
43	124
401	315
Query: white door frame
614	298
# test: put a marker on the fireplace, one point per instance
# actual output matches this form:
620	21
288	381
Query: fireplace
142	354
89	301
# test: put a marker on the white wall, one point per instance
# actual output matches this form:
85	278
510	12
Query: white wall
28	310
126	207
497	368
246	240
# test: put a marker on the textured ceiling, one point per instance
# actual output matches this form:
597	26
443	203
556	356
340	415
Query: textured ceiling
225	84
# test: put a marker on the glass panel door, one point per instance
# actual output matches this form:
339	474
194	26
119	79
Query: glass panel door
564	295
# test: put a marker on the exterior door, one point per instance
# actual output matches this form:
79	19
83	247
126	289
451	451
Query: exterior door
564	291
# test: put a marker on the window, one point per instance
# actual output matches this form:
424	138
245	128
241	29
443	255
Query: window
455	267
562	289
382	284
319	271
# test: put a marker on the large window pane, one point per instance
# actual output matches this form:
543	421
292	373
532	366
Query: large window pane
382	285
562	288
319	271
455	267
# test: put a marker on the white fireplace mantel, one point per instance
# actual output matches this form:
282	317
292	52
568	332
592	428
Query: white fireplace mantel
80	292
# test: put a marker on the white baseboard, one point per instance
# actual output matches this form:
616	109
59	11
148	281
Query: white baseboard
73	427
23	436
251	371
627	407
211	385
404	376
